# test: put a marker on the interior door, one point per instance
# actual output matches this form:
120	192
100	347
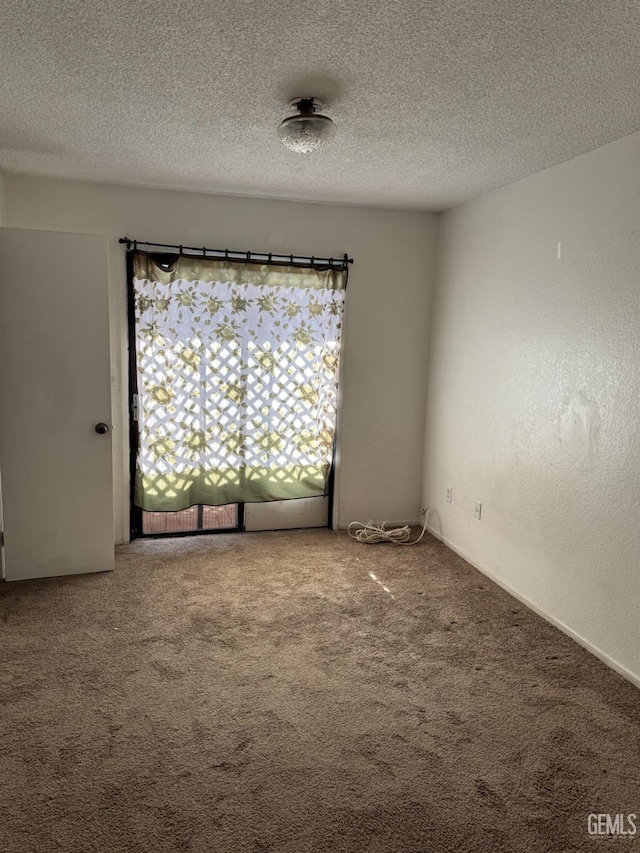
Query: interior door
55	458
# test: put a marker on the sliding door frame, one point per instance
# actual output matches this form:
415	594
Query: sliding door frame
136	512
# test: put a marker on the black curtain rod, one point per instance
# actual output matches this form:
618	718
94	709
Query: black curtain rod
245	257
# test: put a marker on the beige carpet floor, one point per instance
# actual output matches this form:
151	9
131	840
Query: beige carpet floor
295	692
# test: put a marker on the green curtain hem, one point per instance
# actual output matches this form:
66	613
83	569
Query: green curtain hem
191	268
175	492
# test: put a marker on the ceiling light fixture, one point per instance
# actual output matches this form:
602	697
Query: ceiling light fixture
308	130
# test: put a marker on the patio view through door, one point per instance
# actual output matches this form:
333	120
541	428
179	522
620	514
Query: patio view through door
233	371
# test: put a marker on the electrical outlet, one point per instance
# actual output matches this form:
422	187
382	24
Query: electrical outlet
477	513
449	496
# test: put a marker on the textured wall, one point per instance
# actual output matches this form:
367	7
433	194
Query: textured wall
534	391
385	343
2	199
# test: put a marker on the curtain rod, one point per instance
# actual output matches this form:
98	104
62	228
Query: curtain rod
272	258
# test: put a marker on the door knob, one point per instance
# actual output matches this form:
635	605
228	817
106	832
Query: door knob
101	428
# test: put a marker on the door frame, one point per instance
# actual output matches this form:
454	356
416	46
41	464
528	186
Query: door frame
135	512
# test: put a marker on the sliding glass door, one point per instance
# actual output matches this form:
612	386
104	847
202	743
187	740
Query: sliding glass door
234	370
196	519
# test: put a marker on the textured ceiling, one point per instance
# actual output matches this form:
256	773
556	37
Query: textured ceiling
435	101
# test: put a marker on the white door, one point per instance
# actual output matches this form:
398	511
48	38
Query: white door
55	468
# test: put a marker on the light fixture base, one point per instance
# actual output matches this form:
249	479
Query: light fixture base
314	105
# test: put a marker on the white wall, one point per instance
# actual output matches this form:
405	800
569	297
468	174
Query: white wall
2	222
385	343
2	199
534	393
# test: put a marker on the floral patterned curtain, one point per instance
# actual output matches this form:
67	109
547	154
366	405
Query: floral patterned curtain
237	370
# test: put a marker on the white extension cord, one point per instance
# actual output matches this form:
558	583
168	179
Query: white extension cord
372	533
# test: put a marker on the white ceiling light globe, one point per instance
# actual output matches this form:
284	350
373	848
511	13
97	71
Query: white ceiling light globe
308	130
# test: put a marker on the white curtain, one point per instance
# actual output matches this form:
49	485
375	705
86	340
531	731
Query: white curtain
237	369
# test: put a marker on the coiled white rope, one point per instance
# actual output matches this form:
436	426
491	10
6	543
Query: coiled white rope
372	533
